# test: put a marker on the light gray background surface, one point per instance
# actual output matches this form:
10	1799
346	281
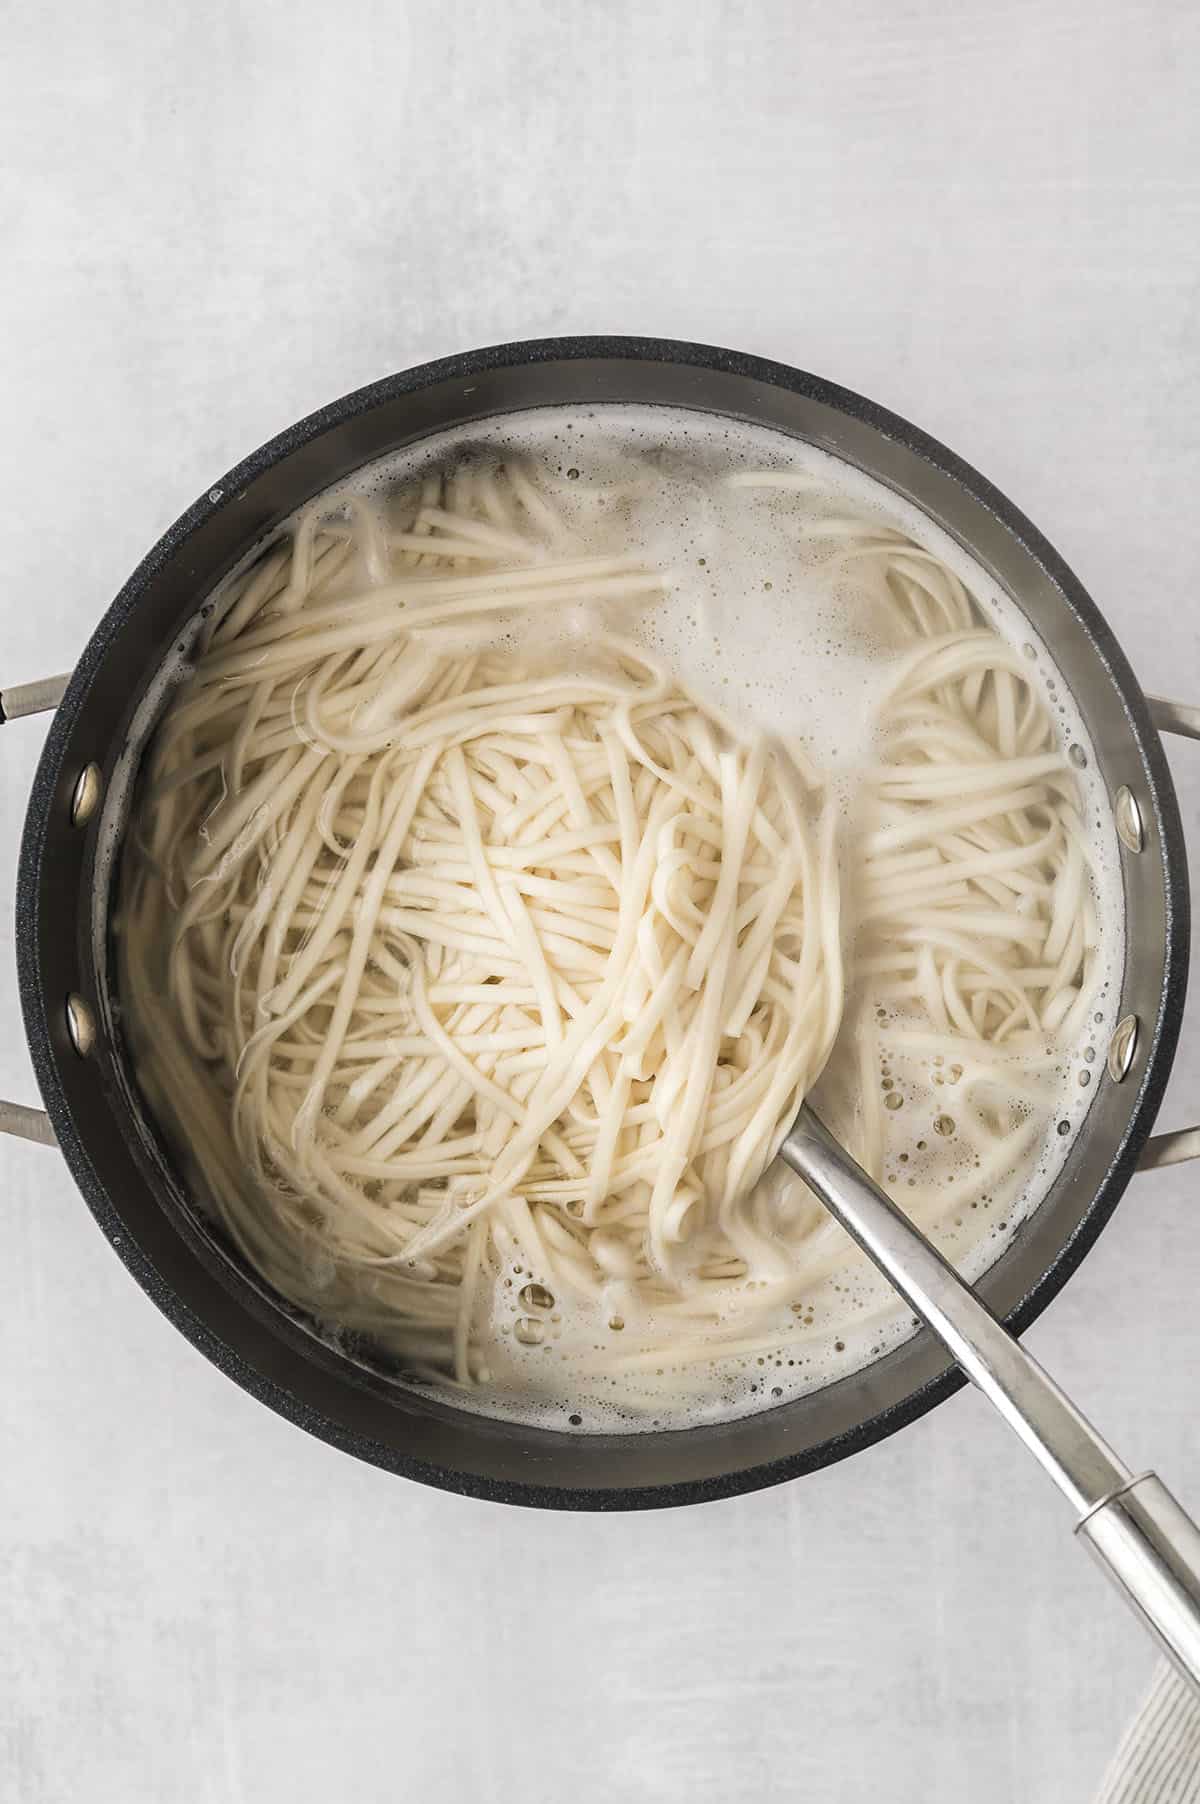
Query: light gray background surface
984	214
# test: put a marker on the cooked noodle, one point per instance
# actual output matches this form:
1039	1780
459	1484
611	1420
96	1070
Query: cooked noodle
447	957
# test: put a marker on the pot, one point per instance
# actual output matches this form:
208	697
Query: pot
72	1018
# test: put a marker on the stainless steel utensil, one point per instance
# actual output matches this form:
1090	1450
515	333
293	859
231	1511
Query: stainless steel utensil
1146	1542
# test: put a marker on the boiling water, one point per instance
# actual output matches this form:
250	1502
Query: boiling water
771	624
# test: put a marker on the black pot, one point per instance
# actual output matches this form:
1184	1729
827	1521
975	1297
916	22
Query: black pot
123	1168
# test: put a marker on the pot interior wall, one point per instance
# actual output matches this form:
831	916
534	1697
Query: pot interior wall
122	1167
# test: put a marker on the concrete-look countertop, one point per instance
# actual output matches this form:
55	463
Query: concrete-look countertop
984	214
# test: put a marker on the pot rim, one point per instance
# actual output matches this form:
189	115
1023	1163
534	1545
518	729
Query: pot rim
47	1043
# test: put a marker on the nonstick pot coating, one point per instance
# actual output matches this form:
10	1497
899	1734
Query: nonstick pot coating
122	1167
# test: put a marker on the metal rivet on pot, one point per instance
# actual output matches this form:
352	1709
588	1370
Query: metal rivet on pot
86	794
81	1025
1122	1047
1130	831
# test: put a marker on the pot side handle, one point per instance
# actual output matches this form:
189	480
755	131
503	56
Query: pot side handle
32	698
1174	717
15	702
44	694
1184	1143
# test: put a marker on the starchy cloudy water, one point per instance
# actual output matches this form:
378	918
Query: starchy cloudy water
770	617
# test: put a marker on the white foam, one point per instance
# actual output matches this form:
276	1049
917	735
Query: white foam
774	627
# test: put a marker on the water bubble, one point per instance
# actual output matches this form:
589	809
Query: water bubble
530	1333
536	1296
943	1125
893	1101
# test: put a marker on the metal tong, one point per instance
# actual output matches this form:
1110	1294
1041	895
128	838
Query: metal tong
1146	1542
